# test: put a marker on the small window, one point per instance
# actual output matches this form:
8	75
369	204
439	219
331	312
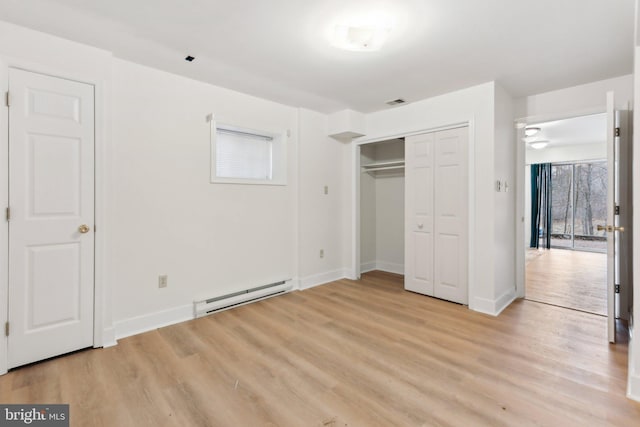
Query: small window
246	156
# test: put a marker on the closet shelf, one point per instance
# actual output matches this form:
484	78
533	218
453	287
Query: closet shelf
383	166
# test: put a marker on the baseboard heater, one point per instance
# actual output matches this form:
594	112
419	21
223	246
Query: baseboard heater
207	306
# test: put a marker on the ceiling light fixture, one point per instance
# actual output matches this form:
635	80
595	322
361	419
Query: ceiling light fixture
361	31
359	39
530	131
538	145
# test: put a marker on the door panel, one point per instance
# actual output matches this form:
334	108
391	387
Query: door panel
450	201
51	193
419	213
436	214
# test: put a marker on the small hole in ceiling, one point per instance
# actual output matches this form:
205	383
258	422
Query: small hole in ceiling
189	58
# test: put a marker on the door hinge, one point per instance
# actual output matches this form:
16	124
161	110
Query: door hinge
617	289
617	210
617	131
6	329
8	214
7	99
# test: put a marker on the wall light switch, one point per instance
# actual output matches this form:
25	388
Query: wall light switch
326	189
321	253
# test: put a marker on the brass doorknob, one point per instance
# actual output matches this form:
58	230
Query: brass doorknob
84	228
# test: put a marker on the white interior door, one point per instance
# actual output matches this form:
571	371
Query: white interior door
419	221
451	197
436	194
612	166
51	200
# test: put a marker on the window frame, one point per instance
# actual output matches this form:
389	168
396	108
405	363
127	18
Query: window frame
278	158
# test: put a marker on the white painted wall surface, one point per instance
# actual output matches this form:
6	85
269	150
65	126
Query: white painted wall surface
164	215
321	215
575	101
368	213
474	105
390	224
505	200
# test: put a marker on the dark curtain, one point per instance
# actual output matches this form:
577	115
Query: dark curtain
541	205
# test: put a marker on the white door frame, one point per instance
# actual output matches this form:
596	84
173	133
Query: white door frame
520	183
355	188
103	334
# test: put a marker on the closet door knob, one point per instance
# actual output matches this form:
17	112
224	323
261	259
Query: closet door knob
420	225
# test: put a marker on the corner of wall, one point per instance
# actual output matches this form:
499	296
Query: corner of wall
493	307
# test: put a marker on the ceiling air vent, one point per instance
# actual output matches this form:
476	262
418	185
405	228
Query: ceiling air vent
396	101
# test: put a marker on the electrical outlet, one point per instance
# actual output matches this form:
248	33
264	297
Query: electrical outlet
162	281
321	253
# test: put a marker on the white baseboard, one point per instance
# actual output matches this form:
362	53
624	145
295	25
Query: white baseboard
366	267
322	278
390	267
151	321
633	388
109	337
493	307
633	379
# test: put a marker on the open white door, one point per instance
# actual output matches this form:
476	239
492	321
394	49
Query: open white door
51	200
612	227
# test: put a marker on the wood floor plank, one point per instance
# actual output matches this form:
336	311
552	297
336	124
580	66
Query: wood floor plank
567	278
349	353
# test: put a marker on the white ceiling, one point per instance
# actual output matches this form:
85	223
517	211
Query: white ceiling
277	49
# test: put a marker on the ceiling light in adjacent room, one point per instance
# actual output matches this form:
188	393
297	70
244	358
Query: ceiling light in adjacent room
530	131
538	145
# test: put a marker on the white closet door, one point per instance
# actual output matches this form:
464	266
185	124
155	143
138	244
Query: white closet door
451	200
419	161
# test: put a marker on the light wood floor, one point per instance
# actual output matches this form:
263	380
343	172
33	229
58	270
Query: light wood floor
347	354
572	279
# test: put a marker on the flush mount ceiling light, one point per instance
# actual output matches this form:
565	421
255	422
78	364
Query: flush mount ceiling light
360	31
359	39
530	131
538	145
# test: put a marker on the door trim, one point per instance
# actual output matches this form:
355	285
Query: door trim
103	332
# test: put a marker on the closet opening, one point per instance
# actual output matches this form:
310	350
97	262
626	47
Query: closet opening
382	218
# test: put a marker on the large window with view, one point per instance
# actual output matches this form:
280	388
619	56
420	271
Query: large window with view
578	205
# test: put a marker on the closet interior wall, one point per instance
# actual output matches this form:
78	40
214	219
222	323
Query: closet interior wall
382	206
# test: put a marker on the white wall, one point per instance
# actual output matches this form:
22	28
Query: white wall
390	224
575	101
164	215
321	218
474	105
505	200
